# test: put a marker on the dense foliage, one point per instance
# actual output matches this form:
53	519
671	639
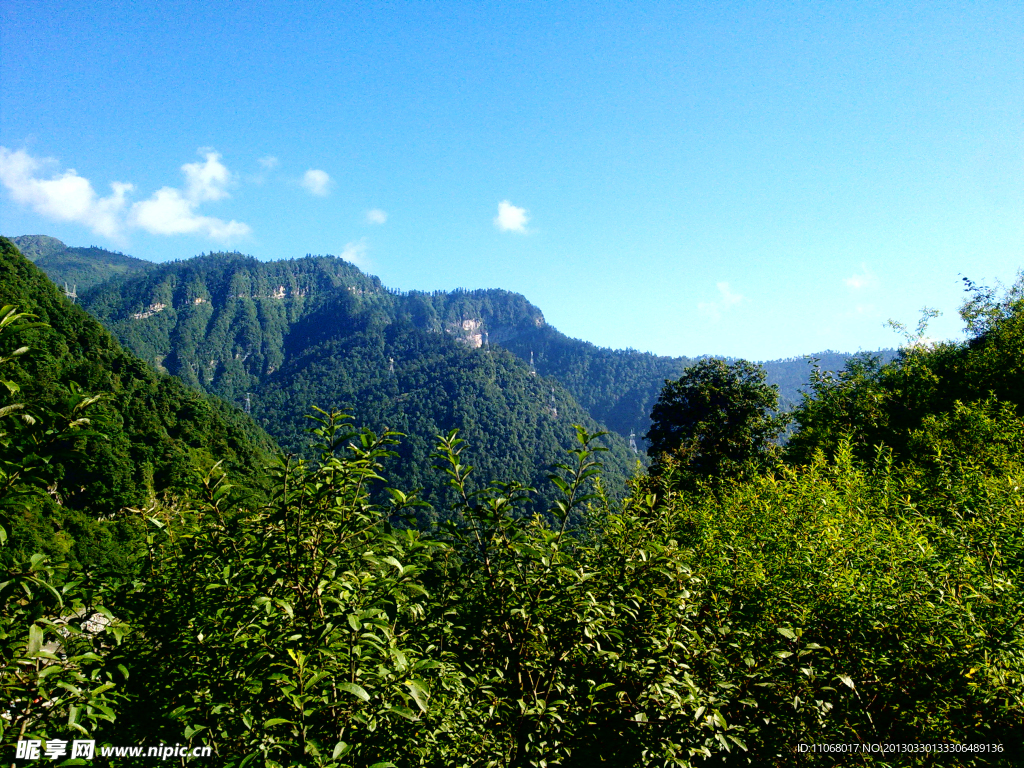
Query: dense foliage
716	420
281	337
229	347
865	591
884	404
291	335
157	436
617	388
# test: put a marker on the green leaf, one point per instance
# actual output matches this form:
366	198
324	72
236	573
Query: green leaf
787	633
48	670
341	749
419	692
35	639
737	741
405	712
356	690
275	721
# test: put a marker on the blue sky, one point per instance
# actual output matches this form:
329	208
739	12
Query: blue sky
748	179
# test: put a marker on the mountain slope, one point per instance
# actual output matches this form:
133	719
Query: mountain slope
158	435
617	387
286	336
80	268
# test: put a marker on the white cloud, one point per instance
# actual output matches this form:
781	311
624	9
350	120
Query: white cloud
864	279
267	164
173	212
63	197
356	252
317	182
510	218
376	216
206	181
727	300
170	211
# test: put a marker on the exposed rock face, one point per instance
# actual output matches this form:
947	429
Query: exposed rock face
153	309
469	332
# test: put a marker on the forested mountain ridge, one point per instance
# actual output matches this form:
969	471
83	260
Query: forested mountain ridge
78	267
284	337
35	247
617	388
223	322
158	436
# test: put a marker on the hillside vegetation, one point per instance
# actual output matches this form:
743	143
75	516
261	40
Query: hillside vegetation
288	336
149	436
617	388
282	337
860	588
78	268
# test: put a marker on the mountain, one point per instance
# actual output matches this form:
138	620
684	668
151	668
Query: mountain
35	247
79	268
617	388
158	436
284	337
238	328
791	375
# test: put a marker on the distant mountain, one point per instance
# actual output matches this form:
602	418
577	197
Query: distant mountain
617	387
239	347
791	375
35	247
282	337
79	268
159	436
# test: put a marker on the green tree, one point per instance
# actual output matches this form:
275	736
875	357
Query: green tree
871	404
716	419
52	680
290	634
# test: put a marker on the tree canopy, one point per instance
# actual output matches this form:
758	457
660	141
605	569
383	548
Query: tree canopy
716	418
